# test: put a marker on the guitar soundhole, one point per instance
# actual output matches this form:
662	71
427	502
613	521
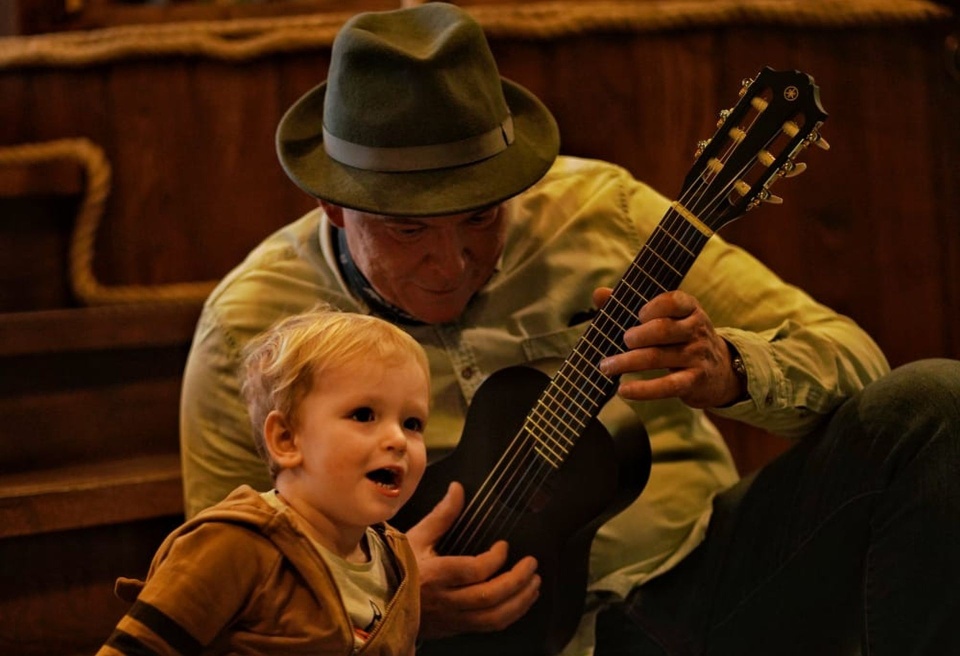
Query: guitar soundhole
539	500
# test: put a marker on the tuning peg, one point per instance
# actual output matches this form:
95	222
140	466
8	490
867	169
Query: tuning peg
817	140
701	146
766	197
791	168
724	115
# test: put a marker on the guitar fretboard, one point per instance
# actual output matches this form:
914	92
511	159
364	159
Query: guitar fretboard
579	390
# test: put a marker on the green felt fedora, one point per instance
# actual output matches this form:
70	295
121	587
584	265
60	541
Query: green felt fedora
415	120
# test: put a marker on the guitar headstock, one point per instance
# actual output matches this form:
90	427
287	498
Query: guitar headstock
756	144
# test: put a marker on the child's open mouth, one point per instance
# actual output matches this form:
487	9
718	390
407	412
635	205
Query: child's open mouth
388	478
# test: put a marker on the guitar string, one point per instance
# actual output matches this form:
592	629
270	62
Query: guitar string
541	466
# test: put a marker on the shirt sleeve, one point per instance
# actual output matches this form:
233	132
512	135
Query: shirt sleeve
216	445
802	358
191	595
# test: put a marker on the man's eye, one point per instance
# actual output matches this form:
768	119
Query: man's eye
362	414
484	219
413	424
407	231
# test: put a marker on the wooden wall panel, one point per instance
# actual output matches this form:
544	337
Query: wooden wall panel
196	183
864	221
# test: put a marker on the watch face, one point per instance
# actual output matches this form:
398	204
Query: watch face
738	367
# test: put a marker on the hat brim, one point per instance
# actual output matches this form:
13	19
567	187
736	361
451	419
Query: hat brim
419	193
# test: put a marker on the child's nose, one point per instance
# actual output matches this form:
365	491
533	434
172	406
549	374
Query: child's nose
395	439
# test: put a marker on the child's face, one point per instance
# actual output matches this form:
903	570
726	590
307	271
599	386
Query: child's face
360	434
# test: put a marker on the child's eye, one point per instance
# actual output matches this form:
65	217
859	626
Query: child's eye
362	414
413	424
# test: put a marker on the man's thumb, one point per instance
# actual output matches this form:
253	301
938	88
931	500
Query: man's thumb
439	520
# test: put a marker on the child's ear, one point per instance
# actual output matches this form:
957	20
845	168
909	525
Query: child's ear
280	441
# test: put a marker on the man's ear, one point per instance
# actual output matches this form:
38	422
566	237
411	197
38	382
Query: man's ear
333	212
281	443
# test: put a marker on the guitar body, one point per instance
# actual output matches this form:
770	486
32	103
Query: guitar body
601	476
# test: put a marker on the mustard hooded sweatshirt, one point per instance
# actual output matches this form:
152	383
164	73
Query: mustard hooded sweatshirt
243	578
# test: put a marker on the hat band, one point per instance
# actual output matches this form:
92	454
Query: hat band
420	158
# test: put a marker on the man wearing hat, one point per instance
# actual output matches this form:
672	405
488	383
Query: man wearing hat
445	208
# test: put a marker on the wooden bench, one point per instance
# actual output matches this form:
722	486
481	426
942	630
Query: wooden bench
89	466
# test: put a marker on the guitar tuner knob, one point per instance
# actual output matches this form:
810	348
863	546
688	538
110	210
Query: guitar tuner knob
791	168
766	197
724	115
818	141
701	146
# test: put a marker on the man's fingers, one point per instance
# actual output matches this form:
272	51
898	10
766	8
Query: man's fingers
479	605
600	296
503	590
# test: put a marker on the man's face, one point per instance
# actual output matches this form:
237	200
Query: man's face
430	268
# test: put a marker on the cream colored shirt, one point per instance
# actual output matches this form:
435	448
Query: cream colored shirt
575	230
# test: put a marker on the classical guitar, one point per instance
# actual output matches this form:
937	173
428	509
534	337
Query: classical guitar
538	467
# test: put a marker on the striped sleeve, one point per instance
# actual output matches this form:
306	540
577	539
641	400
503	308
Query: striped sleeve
147	631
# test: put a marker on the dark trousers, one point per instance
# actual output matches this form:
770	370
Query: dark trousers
849	543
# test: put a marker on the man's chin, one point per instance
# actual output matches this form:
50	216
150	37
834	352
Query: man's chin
438	317
437	312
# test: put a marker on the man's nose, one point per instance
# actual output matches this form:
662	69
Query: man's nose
449	256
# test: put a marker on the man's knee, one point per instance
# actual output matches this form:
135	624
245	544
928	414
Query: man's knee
928	388
913	408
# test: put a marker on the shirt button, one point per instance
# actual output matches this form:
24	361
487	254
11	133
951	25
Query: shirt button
467	373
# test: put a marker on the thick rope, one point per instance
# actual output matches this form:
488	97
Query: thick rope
244	39
83	282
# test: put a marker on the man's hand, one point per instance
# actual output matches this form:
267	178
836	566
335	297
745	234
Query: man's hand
464	594
677	335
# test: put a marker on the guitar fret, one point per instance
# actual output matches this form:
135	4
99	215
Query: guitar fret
554	419
664	260
557	415
667	229
621	327
648	277
567	410
614	298
547	428
615	343
542	448
571	381
640	296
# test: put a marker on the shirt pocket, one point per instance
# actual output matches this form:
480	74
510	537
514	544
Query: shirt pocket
551	345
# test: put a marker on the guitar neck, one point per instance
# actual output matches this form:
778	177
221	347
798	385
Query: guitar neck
579	390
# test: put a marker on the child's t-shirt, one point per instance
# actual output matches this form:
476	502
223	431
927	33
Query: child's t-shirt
365	588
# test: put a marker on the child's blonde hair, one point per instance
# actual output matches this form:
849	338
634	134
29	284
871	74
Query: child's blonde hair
281	364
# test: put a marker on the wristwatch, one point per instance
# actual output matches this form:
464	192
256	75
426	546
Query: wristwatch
740	370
